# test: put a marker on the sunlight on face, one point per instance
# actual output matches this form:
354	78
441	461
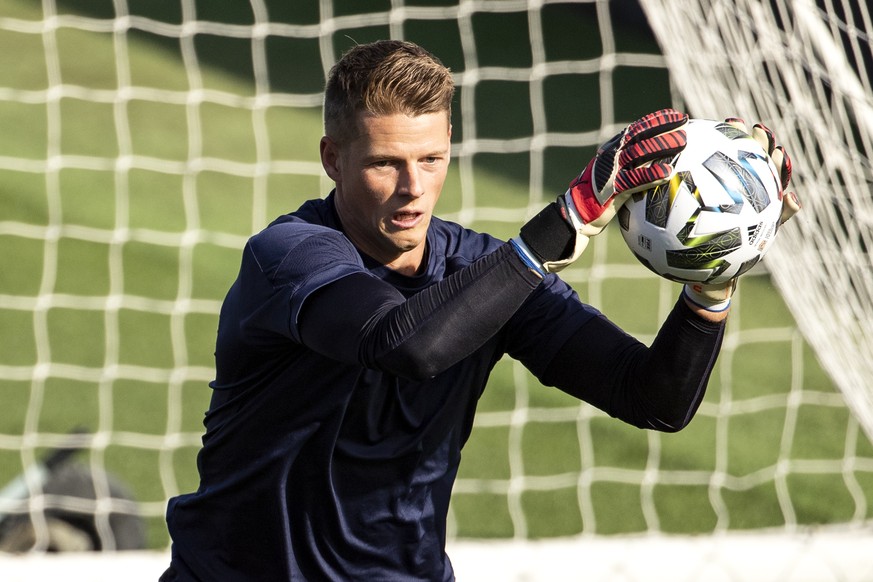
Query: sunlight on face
388	180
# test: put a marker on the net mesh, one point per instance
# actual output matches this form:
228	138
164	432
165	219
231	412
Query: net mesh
143	144
804	66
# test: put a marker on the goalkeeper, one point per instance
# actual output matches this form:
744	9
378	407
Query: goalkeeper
359	335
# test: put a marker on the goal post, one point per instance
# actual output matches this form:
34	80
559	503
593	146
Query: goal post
142	143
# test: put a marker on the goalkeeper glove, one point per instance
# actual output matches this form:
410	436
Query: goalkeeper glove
636	159
718	297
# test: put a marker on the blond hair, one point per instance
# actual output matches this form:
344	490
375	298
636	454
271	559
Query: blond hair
384	78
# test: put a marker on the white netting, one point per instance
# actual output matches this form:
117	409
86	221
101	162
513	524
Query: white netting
804	68
142	144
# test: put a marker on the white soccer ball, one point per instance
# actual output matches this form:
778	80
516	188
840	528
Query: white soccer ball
717	215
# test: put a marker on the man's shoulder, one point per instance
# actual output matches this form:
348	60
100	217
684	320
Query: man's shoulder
314	217
316	213
307	232
458	240
290	231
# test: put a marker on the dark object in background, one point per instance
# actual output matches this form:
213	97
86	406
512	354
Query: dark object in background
69	521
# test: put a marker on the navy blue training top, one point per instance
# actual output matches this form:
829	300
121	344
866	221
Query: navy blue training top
317	467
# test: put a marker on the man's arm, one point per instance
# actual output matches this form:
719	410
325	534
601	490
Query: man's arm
362	319
658	387
359	319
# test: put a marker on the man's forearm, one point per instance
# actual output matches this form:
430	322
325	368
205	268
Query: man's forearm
658	387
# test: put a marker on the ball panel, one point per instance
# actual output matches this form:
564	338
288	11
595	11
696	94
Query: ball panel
659	203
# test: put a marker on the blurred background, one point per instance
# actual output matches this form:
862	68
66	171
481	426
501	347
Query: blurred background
143	142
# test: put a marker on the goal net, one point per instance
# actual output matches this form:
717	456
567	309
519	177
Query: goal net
143	142
804	66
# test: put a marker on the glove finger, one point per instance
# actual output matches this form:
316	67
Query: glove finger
778	157
611	145
661	121
790	206
737	123
660	147
783	163
632	180
764	136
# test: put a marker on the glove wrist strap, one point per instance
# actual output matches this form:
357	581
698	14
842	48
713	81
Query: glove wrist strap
711	300
527	257
549	236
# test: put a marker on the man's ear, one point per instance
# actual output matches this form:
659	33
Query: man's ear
450	142
330	158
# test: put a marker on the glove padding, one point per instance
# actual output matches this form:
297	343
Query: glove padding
717	298
638	158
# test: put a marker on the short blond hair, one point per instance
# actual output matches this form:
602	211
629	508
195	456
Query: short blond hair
384	78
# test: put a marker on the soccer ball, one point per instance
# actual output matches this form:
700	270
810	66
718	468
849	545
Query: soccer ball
717	215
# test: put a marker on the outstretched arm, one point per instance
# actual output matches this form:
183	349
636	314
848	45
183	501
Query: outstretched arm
658	387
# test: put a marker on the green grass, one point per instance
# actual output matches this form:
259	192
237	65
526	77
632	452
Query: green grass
82	263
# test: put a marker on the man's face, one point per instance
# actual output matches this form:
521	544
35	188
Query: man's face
388	180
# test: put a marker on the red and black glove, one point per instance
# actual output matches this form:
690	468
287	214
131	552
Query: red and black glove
638	158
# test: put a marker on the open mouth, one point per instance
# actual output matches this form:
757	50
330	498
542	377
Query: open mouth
406	219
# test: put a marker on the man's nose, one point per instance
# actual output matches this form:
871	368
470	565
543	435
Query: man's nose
411	182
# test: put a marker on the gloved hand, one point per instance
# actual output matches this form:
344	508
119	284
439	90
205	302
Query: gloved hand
635	159
718	297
